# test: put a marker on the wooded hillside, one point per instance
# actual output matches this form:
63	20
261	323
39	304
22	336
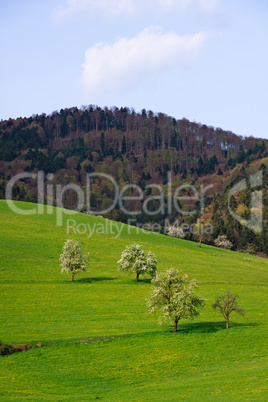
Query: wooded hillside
137	148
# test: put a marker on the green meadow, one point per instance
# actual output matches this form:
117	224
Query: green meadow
97	340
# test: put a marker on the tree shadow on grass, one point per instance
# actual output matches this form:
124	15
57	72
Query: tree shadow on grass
194	328
132	281
96	279
209	327
144	280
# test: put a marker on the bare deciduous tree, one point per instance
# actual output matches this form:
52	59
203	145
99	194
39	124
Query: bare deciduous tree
227	303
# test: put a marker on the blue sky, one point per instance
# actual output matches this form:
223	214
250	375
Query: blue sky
206	60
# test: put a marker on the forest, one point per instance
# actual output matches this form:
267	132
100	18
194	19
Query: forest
144	149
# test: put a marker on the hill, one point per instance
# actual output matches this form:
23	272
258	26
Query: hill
97	342
150	156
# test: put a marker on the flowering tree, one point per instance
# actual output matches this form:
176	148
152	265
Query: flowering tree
71	259
134	259
227	304
223	242
173	297
175	231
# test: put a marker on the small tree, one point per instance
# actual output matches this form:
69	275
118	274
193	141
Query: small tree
223	242
72	260
134	259
227	304
173	297
202	231
175	231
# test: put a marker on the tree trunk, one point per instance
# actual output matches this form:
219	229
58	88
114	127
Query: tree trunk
175	325
137	277
227	323
72	278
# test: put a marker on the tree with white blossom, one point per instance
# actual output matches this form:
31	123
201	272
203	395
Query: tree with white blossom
223	242
72	260
173	297
134	259
175	231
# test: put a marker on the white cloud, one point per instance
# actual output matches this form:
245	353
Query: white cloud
127	63
130	7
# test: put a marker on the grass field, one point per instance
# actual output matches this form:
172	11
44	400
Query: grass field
98	342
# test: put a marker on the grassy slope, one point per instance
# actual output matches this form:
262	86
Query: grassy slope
99	343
